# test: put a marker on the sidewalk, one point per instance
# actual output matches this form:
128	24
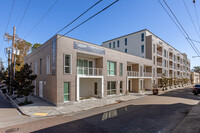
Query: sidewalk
41	108
190	124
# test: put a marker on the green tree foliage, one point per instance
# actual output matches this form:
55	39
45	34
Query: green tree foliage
197	69
35	46
23	81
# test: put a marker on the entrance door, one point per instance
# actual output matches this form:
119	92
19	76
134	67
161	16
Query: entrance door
41	88
129	86
95	88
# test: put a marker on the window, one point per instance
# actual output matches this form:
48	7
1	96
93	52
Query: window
35	67
142	37
53	56
113	44
111	68
66	91
164	53
125	41
48	64
174	57
154	60
142	49
121	69
111	87
167	54
67	63
126	50
140	84
118	43
154	72
154	48
109	45
165	63
174	66
121	86
40	66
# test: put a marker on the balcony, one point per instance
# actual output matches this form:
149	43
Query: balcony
159	64
147	74
170	57
159	74
170	66
159	53
89	71
133	73
170	75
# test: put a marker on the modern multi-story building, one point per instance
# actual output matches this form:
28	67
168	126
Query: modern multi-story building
166	59
195	78
70	70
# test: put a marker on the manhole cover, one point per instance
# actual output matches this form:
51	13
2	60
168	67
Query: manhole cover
12	130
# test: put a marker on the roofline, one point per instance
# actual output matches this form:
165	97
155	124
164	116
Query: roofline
140	31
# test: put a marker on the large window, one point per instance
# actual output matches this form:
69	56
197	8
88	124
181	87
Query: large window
109	45
142	49
154	72
36	67
154	60
113	44
121	69
121	86
125	41
111	87
66	91
125	50
48	64
111	68
67	64
142	37
118	43
40	66
154	48
164	53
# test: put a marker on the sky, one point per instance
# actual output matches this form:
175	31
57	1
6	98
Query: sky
124	17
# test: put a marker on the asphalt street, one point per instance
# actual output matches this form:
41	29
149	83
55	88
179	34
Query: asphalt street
151	114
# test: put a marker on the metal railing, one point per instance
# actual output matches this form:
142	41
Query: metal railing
89	71
159	52
170	57
159	64
133	73
159	74
170	66
147	74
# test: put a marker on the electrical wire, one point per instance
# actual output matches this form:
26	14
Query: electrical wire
191	43
41	19
23	15
79	16
78	25
10	15
191	18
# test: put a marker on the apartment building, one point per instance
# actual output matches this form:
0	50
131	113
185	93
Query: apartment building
70	70
165	58
195	77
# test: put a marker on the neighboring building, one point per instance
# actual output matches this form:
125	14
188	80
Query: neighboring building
195	77
165	59
69	70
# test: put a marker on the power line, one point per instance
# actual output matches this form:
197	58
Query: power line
177	26
195	41
79	16
23	15
196	16
41	18
194	47
10	15
80	24
191	18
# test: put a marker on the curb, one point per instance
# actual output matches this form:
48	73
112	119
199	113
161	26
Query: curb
15	105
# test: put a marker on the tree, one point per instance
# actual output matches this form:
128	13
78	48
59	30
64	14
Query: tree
197	69
21	45
23	81
35	46
164	82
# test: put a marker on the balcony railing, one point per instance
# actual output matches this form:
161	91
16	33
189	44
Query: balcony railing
170	75
89	71
159	63
159	74
159	52
147	74
133	73
170	66
170	57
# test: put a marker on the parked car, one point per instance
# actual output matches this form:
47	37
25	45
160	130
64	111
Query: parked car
2	85
196	89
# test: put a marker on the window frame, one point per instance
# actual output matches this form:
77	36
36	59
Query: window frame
66	94
110	89
109	70
67	66
48	60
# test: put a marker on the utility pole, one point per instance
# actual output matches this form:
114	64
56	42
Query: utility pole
12	60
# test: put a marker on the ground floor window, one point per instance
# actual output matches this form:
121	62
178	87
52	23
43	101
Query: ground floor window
140	84
66	91
111	87
121	84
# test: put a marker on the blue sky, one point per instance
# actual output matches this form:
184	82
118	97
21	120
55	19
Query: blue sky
125	17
